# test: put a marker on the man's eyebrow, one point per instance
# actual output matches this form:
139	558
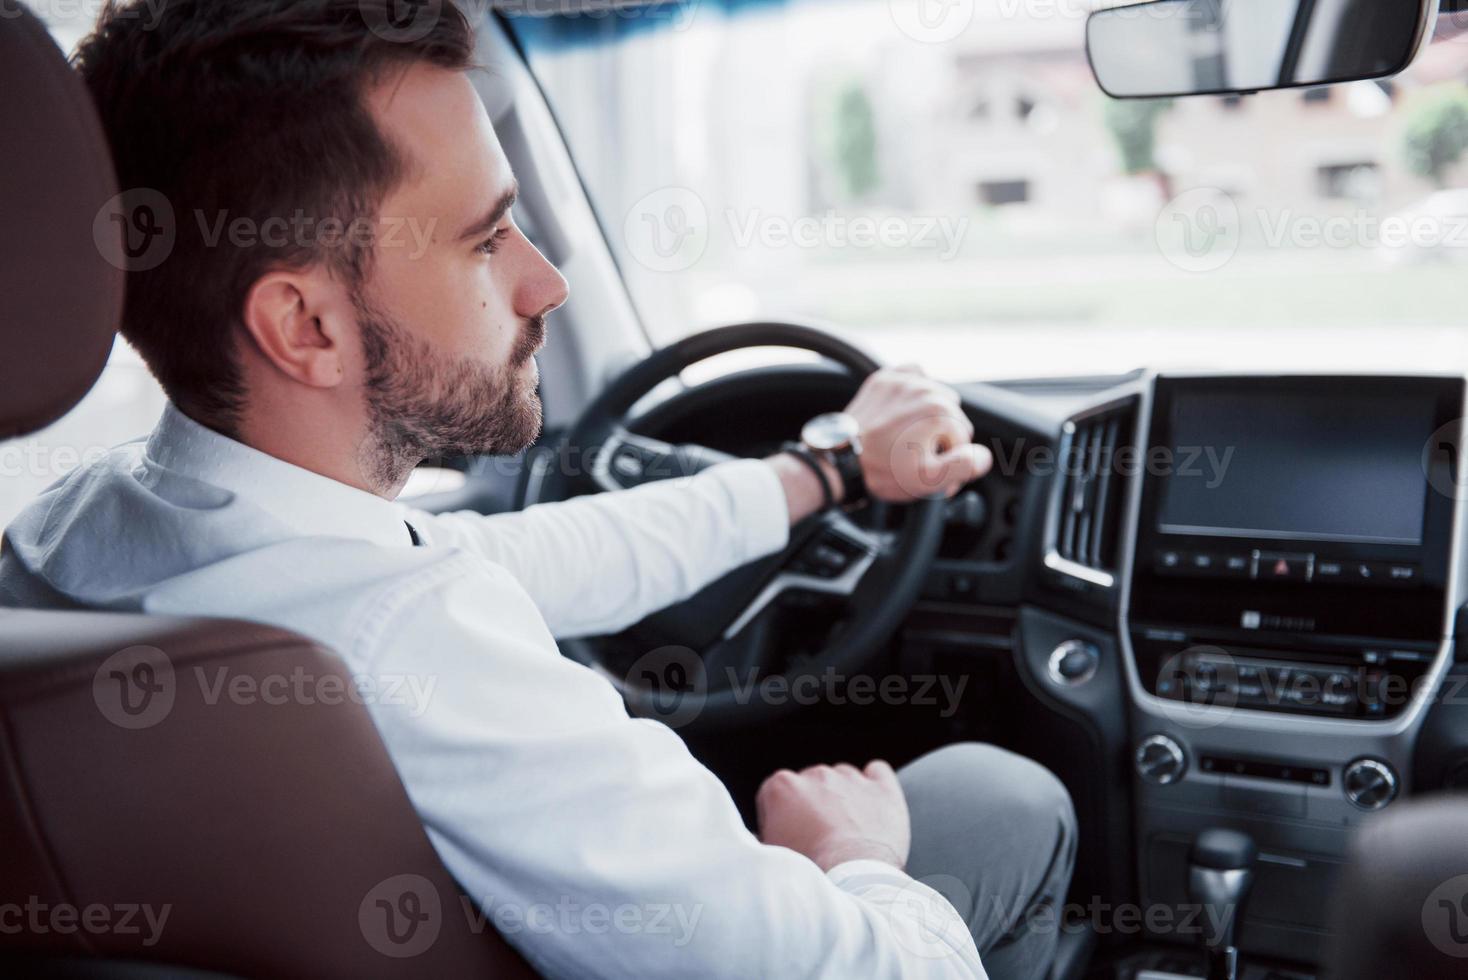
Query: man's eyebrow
483	226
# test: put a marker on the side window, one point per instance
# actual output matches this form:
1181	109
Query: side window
124	403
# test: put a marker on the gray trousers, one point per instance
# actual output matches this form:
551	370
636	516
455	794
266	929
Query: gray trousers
995	834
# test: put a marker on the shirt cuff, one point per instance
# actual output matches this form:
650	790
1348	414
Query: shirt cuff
869	871
925	921
758	502
891	886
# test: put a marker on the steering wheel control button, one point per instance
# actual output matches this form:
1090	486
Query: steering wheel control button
1370	784
829	560
628	463
1074	662
827	555
627	460
833	554
1160	760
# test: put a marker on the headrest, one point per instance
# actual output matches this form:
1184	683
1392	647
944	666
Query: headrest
60	297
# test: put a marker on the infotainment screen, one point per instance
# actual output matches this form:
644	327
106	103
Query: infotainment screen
1302	526
1309	465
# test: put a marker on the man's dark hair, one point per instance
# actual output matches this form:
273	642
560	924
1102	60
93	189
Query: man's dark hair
248	109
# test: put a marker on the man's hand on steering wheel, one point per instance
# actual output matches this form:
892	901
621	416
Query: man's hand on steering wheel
915	441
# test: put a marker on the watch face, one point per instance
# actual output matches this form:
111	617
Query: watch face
830	432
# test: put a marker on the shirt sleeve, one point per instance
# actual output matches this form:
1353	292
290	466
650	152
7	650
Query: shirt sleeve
594	842
598	564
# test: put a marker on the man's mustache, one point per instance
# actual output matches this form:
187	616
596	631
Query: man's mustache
531	339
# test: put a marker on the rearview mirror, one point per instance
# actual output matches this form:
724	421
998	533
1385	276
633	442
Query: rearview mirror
1215	47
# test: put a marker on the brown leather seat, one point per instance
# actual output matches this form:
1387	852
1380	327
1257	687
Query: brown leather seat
148	818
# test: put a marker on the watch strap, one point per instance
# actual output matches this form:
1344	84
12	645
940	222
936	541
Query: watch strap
803	453
848	464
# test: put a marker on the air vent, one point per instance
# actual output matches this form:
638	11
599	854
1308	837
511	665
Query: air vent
1092	491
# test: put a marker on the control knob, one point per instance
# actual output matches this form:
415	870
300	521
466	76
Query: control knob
1073	662
1160	760
1370	784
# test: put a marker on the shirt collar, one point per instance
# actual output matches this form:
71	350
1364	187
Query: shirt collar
308	502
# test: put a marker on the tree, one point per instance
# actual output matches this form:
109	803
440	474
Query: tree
856	141
1436	133
1133	124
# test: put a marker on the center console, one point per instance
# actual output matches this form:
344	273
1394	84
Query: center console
1285	613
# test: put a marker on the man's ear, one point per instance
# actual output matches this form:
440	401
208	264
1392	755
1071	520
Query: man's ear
299	320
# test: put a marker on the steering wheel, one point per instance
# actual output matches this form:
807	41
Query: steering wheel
719	663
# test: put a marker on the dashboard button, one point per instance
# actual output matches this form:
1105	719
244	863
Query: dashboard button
1330	570
1394	573
1235	566
1363	571
1276	566
1202	562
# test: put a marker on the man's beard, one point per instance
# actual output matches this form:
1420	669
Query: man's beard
424	405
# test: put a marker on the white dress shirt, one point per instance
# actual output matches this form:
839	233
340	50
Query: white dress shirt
594	841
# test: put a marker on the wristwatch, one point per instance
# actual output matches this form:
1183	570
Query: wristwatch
836	438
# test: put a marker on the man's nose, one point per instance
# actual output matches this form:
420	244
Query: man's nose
543	289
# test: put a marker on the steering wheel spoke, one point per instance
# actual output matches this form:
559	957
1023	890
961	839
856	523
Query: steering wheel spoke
626	459
832	559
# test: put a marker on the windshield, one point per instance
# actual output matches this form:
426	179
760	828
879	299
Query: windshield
943	181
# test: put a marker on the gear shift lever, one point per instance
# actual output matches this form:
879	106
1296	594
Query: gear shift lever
1220	871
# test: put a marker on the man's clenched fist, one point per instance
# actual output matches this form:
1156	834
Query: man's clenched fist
916	441
833	814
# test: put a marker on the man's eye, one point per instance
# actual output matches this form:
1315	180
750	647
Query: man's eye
491	244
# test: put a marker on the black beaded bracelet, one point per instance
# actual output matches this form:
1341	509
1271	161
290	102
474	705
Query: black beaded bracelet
807	457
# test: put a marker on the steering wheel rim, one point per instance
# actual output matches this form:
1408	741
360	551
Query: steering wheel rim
908	556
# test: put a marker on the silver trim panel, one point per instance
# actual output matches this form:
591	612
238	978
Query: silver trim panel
1051	549
842	585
